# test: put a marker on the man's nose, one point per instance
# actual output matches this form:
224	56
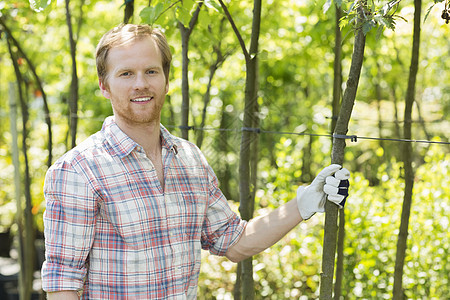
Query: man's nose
140	81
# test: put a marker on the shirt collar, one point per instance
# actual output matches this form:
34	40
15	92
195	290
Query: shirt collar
123	145
168	140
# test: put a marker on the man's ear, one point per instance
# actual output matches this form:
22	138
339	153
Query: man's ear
167	87
104	89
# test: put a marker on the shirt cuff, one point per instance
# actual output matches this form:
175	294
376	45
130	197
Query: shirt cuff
230	237
57	277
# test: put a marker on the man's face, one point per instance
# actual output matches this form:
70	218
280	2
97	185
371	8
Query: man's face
136	85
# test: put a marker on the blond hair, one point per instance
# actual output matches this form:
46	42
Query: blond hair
127	33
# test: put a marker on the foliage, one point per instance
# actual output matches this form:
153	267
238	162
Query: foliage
39	5
296	64
375	16
290	269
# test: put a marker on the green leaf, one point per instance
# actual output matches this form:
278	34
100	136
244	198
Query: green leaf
428	12
351	7
343	22
183	15
39	5
188	4
379	31
213	4
367	26
150	14
326	6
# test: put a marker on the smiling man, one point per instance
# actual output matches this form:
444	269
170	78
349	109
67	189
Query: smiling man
129	209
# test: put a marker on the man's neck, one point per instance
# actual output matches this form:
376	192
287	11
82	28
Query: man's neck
149	137
146	135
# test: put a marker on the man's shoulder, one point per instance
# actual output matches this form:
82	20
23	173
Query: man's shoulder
88	149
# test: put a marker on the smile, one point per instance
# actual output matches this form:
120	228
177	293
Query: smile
145	99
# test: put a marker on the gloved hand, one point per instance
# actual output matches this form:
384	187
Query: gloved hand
331	182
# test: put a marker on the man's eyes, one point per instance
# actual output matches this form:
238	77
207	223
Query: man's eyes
128	73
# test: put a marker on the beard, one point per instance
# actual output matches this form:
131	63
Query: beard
139	114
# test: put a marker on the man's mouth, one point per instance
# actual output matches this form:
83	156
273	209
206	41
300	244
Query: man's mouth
142	99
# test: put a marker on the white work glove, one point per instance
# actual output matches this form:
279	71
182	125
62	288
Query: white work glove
331	182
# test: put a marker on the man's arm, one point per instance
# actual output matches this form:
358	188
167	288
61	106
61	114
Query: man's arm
260	233
69	228
64	295
263	232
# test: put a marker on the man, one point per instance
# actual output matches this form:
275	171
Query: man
129	209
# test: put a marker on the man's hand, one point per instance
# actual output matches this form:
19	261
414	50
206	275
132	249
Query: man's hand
331	182
63	295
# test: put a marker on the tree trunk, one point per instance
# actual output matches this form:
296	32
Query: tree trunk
25	220
73	97
24	291
422	123
220	58
237	286
223	148
48	120
306	161
28	232
407	157
337	157
378	99
128	11
184	81
337	76
248	156
246	163
396	120
249	145
337	91
206	99
185	35
340	256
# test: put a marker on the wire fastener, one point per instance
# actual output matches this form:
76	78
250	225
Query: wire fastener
352	138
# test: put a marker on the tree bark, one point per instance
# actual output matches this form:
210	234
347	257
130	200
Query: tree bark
38	80
306	161
23	290
184	81
407	157
29	231
128	11
25	221
185	36
340	256
337	92
248	156
337	67
337	157
248	161
396	120
207	96
220	58
73	97
378	99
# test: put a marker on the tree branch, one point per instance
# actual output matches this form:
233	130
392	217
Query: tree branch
194	18
48	120
337	157
236	31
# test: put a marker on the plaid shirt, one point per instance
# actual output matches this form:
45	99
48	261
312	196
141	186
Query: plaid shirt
114	233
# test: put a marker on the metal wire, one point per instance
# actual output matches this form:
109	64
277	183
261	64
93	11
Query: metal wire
353	138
